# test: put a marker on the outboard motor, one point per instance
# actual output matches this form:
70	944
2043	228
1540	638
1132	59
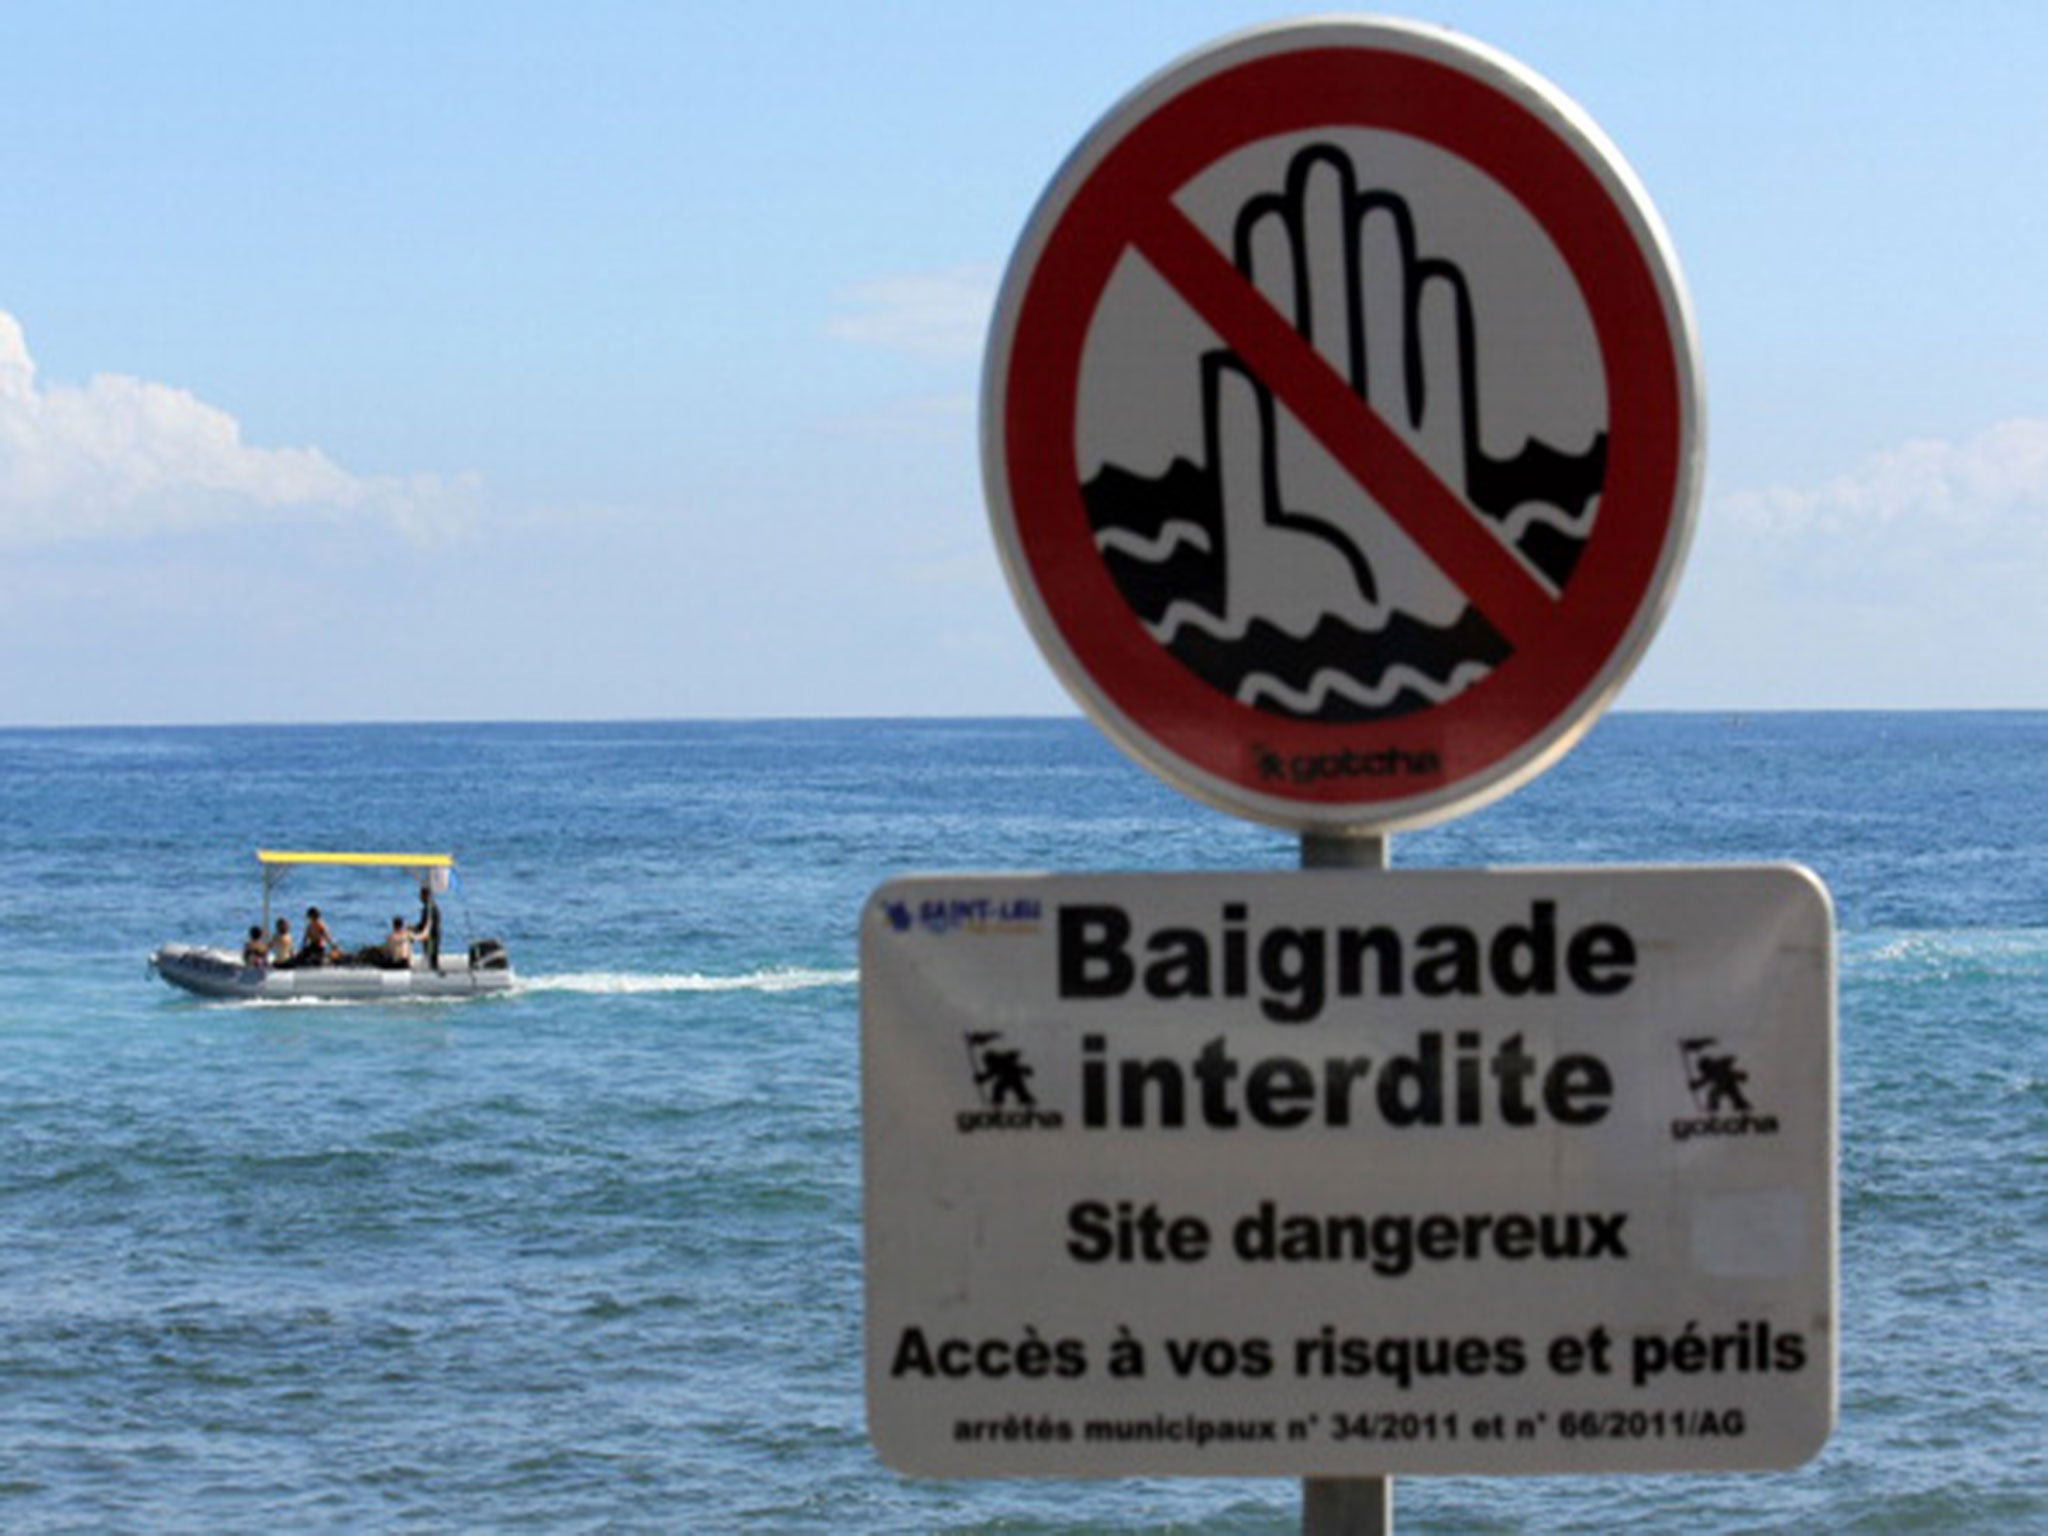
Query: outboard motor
488	955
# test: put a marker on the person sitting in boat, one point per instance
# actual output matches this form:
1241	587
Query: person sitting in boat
256	953
281	943
397	955
318	947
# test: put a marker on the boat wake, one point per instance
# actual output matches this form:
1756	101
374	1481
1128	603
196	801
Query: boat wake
625	983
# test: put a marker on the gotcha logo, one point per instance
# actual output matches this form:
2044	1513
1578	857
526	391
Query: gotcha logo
1002	1080
1719	1088
1317	767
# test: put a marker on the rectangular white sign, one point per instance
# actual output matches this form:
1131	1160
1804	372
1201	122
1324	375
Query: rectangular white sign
1336	1173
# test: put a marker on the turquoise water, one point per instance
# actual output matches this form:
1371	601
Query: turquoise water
588	1257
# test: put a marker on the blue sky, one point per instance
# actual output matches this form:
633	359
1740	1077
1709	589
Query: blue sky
516	361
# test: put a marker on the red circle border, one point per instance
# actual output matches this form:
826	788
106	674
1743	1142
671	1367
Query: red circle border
1331	88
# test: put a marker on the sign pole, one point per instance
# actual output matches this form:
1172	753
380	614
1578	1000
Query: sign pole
1327	850
1346	1506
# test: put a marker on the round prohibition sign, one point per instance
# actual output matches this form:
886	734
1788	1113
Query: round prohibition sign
1247	702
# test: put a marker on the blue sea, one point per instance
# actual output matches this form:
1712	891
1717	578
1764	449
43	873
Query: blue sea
588	1257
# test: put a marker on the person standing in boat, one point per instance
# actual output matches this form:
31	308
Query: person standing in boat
428	929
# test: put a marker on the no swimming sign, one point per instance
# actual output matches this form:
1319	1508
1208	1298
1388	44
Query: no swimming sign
1341	424
1309	1174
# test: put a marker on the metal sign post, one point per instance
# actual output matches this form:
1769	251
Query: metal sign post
1362	1506
1352	1506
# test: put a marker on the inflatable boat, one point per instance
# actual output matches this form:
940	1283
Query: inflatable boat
430	971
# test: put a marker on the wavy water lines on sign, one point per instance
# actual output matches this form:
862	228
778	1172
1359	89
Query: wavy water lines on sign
1261	690
1550	536
1160	547
1328	686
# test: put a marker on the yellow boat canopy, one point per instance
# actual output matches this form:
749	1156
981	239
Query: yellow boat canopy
433	869
370	860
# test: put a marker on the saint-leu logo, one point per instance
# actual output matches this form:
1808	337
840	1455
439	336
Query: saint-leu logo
1001	1075
1721	1096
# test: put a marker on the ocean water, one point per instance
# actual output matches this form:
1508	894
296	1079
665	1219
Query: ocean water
588	1257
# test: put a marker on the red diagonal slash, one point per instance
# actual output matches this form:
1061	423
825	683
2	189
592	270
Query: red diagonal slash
1449	532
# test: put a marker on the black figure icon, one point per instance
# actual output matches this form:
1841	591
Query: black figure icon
1002	1076
1716	1081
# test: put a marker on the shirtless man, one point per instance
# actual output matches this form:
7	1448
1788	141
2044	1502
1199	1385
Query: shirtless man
398	946
319	947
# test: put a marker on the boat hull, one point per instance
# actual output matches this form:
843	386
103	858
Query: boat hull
218	973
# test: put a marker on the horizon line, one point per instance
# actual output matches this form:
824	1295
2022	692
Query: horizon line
495	722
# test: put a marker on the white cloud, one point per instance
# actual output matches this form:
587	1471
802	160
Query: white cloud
119	457
938	316
1915	579
1987	494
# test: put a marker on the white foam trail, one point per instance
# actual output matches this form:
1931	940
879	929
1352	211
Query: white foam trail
1153	551
626	983
1311	699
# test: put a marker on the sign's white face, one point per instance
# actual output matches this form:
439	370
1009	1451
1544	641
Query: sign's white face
1337	1175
